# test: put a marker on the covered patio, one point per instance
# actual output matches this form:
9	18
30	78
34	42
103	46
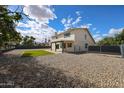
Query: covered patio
62	46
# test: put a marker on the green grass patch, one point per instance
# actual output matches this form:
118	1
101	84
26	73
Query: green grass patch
34	53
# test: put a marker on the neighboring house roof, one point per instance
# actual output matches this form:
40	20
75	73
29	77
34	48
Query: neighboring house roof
74	29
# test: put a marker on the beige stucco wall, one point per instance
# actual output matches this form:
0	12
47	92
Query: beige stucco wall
69	49
80	40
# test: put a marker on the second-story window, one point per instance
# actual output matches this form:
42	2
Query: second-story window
66	35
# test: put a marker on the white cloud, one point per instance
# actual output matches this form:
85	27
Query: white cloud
40	13
69	22
39	27
86	25
105	35
77	20
63	21
110	33
98	32
78	13
39	31
114	31
97	37
20	24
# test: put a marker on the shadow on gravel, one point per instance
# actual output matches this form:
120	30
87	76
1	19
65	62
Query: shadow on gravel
26	73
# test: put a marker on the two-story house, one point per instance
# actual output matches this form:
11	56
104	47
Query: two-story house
72	40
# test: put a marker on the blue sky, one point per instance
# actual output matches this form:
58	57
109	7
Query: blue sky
100	20
101	17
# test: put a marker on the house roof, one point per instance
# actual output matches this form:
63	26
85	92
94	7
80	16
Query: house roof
74	29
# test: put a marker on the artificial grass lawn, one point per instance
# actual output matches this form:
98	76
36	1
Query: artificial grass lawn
34	53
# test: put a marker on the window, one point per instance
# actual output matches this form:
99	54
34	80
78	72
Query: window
57	46
85	36
86	45
69	44
66	35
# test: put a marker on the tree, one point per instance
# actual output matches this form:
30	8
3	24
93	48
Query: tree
8	21
116	40
120	37
28	41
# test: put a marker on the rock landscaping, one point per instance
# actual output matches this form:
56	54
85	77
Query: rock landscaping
61	70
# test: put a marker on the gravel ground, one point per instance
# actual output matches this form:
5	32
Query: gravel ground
61	70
